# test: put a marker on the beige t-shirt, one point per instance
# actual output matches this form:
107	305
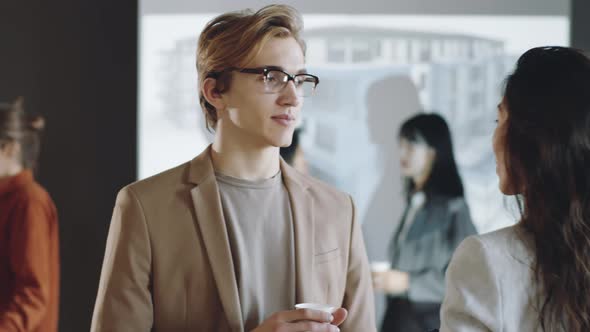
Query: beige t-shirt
260	230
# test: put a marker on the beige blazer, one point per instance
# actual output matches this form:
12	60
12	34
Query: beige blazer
168	265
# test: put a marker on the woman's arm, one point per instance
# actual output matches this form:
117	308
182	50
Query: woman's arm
30	247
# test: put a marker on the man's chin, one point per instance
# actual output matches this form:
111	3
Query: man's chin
281	142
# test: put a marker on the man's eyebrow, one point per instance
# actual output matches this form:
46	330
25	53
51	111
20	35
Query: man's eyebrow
273	68
300	71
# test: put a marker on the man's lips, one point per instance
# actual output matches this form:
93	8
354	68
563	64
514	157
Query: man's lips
284	119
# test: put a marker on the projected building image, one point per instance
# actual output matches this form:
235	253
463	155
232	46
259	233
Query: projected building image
374	72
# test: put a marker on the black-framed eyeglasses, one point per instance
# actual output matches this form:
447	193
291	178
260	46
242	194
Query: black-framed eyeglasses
275	80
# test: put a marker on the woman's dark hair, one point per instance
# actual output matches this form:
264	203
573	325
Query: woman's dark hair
431	129
547	153
17	126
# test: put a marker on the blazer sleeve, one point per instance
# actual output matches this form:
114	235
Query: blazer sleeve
358	297
473	298
30	262
124	301
429	283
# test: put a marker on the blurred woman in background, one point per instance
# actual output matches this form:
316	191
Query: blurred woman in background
293	154
29	247
435	221
534	276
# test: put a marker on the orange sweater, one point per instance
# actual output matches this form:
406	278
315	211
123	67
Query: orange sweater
29	257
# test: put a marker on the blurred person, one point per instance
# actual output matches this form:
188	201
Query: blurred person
381	174
382	182
29	234
435	221
535	275
293	154
233	239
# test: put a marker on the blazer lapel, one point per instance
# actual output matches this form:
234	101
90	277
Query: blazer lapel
421	223
303	225
210	221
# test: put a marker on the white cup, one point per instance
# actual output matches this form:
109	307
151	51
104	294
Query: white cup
315	306
380	266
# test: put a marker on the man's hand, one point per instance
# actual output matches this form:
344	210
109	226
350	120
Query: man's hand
303	320
391	282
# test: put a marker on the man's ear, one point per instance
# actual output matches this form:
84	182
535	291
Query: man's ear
212	94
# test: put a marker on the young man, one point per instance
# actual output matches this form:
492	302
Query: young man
233	239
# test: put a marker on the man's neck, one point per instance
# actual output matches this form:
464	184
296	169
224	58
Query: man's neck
243	159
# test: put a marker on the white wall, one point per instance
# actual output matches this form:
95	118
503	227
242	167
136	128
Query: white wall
479	7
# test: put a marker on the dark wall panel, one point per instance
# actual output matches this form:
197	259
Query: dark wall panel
76	63
580	23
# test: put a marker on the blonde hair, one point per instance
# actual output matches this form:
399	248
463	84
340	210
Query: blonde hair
235	39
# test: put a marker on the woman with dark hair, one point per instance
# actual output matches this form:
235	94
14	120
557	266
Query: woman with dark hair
435	221
29	247
535	275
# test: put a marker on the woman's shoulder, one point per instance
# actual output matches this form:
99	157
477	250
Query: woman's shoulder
25	186
34	203
510	237
489	283
485	257
505	246
32	193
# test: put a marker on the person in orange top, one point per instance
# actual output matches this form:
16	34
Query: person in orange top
29	245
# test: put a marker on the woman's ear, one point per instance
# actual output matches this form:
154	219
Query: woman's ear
431	155
212	94
430	159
